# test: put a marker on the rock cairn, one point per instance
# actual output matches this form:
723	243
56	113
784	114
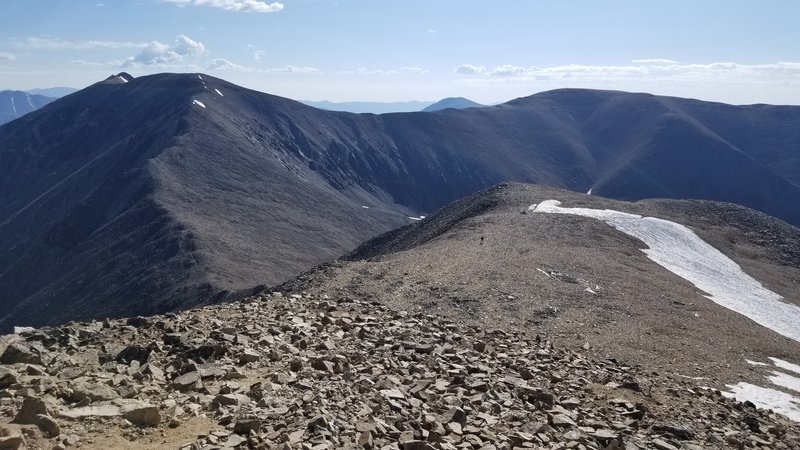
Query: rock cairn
301	372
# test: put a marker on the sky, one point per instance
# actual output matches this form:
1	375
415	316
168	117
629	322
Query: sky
733	51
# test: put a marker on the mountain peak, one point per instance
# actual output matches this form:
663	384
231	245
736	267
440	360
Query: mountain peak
120	78
452	103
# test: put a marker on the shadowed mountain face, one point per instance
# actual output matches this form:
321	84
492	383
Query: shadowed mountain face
143	195
15	104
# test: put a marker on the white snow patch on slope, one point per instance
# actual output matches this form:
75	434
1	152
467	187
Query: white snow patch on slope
780	402
218	92
416	218
785	380
199	103
785	365
681	251
756	363
13	106
201	78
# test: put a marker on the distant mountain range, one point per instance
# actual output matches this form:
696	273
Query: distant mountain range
369	107
136	196
15	104
54	92
393	107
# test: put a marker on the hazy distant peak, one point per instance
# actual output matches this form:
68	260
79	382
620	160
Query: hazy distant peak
53	92
452	103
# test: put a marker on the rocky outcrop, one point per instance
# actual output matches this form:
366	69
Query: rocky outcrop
312	372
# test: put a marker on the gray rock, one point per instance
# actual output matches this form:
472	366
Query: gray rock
8	377
245	425
19	353
188	381
248	356
48	425
562	421
31	408
663	445
142	415
93	391
11	438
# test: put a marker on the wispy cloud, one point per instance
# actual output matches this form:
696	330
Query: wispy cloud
7	56
366	71
469	69
507	70
655	61
81	62
224	65
232	5
647	70
44	43
157	53
258	53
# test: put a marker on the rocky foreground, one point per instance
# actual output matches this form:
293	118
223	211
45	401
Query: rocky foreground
294	372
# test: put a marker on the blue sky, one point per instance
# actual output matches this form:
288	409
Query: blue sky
379	50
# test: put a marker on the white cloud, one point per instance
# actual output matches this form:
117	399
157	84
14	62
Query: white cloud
413	69
654	61
294	69
507	70
650	71
258	53
157	53
81	62
185	46
7	56
232	5
224	65
365	71
469	69
39	43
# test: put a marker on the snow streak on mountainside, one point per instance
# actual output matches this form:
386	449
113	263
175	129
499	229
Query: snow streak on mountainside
681	251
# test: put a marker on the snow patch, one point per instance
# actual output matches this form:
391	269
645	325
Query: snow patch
785	365
199	103
417	218
13	106
756	363
679	250
121	78
780	402
785	380
28	97
589	192
201	78
365	207
218	92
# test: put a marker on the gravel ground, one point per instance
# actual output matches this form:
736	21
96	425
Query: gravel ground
483	261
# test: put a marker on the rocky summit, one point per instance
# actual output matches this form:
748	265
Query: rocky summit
317	372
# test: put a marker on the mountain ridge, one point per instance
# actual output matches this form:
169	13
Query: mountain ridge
187	189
